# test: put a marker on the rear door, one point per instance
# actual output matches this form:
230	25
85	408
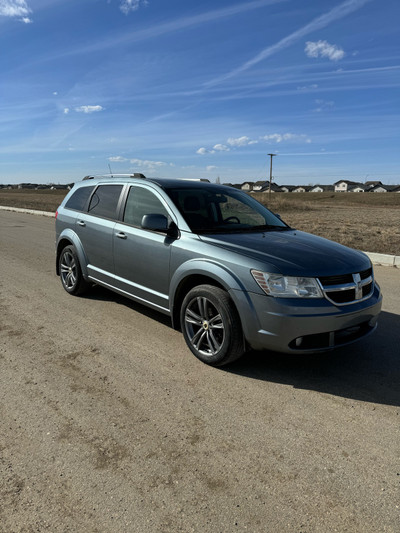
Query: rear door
142	257
95	230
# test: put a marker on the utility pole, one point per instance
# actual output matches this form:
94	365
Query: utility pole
270	176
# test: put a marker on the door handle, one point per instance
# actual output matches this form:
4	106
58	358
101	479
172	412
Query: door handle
81	223
121	235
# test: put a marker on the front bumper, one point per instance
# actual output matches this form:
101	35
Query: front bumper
305	325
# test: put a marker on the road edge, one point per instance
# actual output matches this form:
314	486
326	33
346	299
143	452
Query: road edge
376	259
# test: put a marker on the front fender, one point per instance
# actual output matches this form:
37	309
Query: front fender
228	280
68	235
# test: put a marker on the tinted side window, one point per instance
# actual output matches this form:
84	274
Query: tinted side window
104	201
142	202
79	198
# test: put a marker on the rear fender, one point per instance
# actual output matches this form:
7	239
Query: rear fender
70	237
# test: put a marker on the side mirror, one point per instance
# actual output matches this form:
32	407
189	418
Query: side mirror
155	222
278	215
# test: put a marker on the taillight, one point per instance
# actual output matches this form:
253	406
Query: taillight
57	213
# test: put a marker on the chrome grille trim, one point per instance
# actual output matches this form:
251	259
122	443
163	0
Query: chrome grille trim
355	290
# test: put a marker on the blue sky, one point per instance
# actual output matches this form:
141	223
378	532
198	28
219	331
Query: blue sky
200	89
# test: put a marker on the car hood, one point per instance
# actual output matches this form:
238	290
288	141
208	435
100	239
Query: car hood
293	252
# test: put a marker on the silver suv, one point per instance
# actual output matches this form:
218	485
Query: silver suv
229	273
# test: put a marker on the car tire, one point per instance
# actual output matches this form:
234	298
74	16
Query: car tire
211	325
71	273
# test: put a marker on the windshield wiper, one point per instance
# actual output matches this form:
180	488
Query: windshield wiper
267	227
241	229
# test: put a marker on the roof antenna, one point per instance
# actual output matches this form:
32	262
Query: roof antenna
109	166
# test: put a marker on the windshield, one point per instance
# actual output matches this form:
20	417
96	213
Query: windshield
220	210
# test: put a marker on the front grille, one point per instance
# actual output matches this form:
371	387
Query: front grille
348	288
344	278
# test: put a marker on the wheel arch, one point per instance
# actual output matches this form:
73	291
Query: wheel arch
199	273
67	238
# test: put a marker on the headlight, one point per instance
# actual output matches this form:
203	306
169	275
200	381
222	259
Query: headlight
287	286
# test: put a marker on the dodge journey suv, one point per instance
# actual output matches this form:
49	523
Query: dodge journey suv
230	273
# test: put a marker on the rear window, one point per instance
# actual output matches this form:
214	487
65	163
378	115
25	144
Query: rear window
104	201
79	198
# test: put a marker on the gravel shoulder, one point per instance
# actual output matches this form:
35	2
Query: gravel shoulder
108	423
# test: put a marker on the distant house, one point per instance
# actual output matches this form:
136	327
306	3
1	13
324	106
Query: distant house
287	188
371	184
265	188
60	187
259	185
247	186
345	185
396	188
321	188
301	188
380	188
27	186
357	188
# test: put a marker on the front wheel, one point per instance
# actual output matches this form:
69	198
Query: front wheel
211	325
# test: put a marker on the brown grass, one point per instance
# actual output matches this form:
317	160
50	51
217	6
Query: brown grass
365	221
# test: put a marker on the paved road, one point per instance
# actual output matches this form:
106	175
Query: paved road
109	424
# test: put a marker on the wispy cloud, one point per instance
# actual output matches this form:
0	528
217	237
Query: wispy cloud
211	168
15	8
117	159
240	141
221	148
281	137
338	12
164	28
323	105
324	49
89	109
142	163
204	151
127	6
244	140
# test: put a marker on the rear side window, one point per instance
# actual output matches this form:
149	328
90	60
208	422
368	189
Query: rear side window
104	201
79	198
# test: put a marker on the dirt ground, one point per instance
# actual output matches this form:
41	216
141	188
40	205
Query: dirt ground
368	222
108	424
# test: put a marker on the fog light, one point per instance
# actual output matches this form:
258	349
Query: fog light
299	341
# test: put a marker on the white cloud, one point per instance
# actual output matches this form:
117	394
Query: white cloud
240	141
127	6
323	105
15	8
221	148
55	93
282	137
66	110
211	167
148	164
89	108
204	151
311	87
324	49
117	159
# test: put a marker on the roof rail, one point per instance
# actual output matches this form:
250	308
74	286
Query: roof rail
136	175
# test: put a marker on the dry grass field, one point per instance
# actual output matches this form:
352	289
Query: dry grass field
366	221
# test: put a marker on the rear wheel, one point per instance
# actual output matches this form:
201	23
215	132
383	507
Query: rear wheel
71	273
211	325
